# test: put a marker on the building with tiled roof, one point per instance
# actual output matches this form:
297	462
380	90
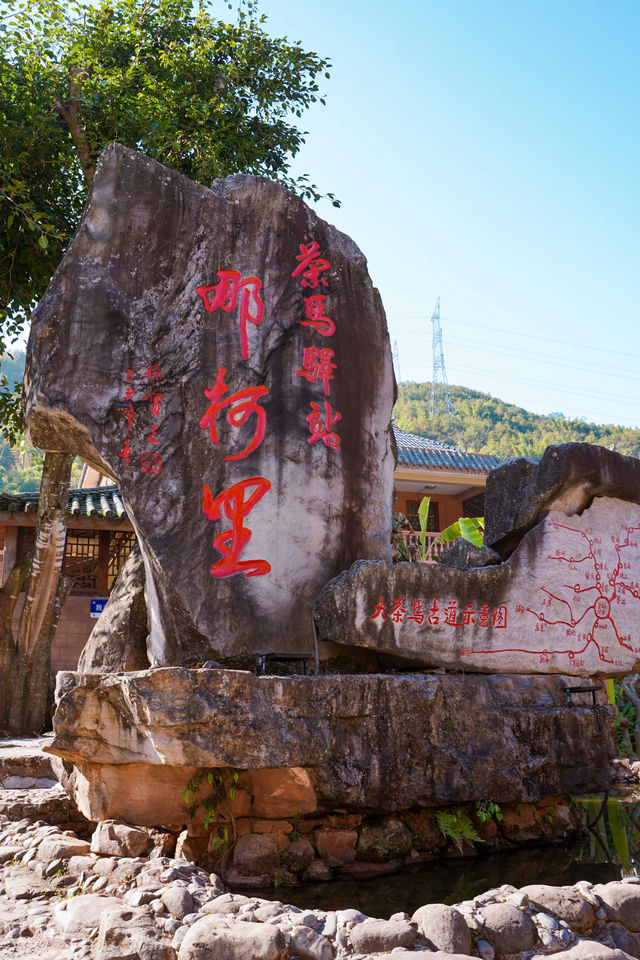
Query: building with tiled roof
100	534
454	479
99	538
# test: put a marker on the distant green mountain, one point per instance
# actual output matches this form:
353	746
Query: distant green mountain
21	467
484	424
13	367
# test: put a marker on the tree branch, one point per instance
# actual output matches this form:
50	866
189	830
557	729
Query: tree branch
69	110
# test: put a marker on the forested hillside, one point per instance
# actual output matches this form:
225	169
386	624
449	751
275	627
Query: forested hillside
21	467
485	424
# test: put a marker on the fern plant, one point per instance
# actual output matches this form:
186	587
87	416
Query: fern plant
455	825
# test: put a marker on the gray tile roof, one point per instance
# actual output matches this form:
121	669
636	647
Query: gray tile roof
414	451
96	502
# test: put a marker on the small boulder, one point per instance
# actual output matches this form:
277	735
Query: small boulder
629	942
443	927
382	935
227	903
178	901
60	846
565	902
309	945
82	914
622	903
116	839
299	855
255	855
127	933
336	847
584	950
215	939
317	872
508	929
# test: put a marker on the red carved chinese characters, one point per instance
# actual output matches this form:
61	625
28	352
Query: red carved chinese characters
322	430
224	296
156	402
310	265
397	612
150	463
241	405
483	616
125	453
316	364
316	317
379	611
129	414
237	501
416	612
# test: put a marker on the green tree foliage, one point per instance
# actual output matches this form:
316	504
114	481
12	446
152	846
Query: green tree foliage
484	424
206	97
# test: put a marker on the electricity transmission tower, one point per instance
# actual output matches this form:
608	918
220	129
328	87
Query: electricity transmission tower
439	382
396	361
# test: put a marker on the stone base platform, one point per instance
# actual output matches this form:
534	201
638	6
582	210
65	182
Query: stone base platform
363	743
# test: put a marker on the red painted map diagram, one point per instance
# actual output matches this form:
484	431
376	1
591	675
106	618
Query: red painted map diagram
567	601
585	611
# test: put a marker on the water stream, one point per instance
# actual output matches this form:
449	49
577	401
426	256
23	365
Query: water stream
610	849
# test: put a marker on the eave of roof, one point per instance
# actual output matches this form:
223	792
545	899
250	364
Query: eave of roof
88	503
417	451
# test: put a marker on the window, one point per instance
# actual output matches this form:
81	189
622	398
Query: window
93	558
414	520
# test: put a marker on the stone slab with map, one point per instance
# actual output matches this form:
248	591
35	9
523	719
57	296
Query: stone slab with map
567	601
223	354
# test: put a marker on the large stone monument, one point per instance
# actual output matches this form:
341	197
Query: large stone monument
223	354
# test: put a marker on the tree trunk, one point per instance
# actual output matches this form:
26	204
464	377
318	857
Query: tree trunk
45	594
9	594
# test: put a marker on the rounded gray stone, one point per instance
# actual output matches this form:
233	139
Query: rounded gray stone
507	928
443	927
178	901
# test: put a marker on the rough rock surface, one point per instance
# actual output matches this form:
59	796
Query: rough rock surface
118	642
566	601
124	908
193	340
565	902
462	555
522	492
378	742
119	840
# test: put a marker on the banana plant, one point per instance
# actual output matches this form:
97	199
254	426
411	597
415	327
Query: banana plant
469	528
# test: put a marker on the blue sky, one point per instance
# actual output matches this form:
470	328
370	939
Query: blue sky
487	153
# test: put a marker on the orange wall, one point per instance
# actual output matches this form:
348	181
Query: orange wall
72	633
449	509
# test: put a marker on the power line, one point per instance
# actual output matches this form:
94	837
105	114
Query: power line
538	383
568	363
529	336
